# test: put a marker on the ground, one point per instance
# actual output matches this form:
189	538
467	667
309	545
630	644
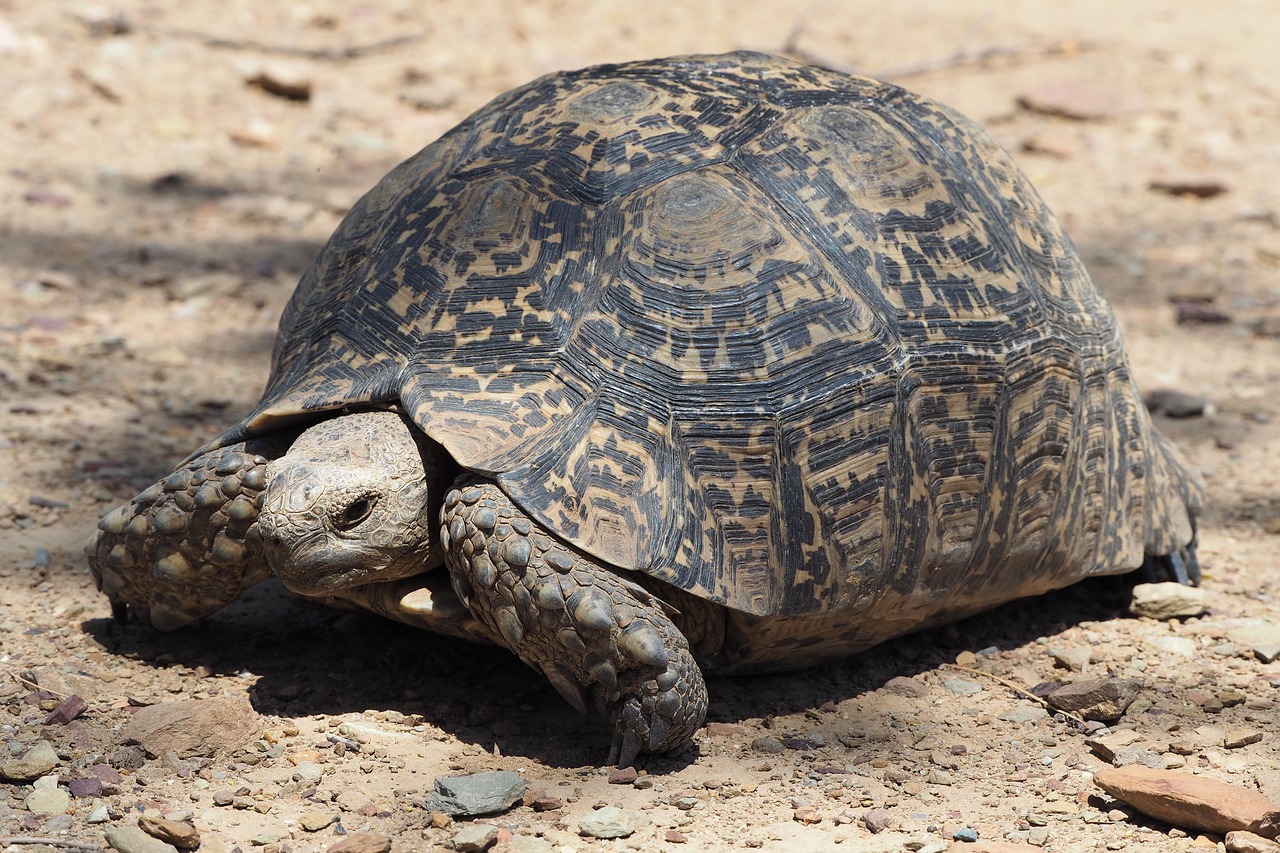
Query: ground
157	207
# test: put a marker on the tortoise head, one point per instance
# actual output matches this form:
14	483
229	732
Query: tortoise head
352	503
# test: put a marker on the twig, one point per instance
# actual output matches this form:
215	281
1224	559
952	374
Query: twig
27	682
978	57
1016	688
6	840
330	54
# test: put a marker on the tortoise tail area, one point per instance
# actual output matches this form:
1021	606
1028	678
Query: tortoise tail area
1175	499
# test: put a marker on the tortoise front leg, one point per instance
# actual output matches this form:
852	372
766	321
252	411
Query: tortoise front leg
185	547
589	630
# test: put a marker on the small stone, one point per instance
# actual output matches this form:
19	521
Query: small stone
362	842
1167	601
307	773
675	836
83	789
33	764
1266	653
543	803
966	658
902	685
1242	841
807	815
530	844
288	81
1024	714
877	820
968	834
1241	737
1038	836
1074	659
1106	746
623	775
725	729
131	839
195	727
1183	647
608	822
99	815
961	686
72	707
1077	100
1103	699
180	834
316	821
48	798
767	745
937	776
476	794
475	837
1197	185
1190	801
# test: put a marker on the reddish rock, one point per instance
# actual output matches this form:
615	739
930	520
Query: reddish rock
362	842
725	729
71	708
195	727
1191	802
623	775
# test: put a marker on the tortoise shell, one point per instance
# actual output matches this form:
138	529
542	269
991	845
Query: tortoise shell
789	340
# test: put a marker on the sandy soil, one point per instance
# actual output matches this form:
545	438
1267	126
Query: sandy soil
156	209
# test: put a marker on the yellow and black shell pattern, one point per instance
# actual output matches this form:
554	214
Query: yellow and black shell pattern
793	341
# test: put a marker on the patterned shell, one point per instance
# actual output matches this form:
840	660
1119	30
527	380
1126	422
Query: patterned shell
778	336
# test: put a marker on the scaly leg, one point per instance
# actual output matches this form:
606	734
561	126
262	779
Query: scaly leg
591	631
185	548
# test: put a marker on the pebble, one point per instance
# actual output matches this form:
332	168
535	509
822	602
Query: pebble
1106	746
1242	841
476	794
1184	647
316	821
178	833
1175	404
307	773
1241	737
362	842
1186	800
1103	699
72	707
1024	714
1167	601
902	685
284	80
1076	100
1197	185
877	820
48	798
85	788
1074	659
767	745
475	837
608	822
195	727
967	834
99	815
37	762
529	844
131	839
961	686
622	775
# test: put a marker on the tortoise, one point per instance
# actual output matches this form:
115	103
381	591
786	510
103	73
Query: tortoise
709	363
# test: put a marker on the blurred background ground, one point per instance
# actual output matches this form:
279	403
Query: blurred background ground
157	206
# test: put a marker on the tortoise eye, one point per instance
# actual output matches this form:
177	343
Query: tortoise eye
355	513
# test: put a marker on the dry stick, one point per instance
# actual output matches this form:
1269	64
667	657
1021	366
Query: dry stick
27	682
332	54
6	840
1016	688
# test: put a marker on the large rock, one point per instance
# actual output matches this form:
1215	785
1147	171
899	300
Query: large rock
1167	601
36	762
195	727
1103	699
1191	802
476	794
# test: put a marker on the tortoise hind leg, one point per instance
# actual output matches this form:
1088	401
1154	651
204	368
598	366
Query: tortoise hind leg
185	548
596	635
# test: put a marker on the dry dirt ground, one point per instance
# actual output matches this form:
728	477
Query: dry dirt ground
156	209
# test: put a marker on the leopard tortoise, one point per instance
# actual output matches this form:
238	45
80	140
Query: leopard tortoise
708	363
